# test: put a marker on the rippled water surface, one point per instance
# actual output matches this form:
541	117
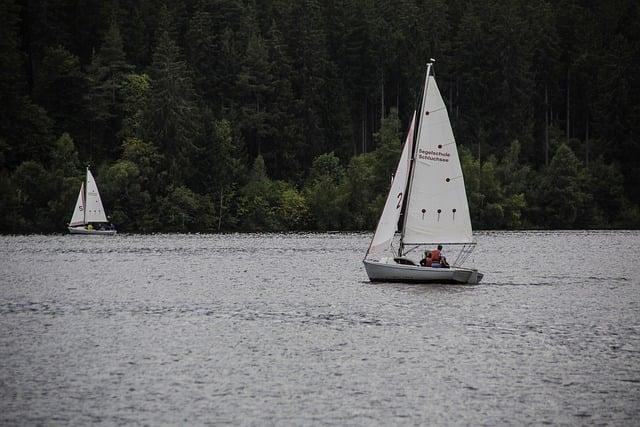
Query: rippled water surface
286	329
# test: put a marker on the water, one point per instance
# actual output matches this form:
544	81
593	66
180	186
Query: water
287	330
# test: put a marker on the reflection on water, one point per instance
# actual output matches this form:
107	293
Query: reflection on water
286	329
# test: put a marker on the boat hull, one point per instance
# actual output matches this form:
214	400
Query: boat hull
393	272
82	230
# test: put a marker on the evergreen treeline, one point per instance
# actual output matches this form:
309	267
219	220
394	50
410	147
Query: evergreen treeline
207	115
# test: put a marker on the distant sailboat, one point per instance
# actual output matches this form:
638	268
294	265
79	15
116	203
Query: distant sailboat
89	211
435	211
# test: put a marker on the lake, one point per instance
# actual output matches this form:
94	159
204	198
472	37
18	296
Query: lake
286	329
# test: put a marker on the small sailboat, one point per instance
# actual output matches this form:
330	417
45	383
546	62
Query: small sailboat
89	211
427	202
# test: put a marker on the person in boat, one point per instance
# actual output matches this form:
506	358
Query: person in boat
438	258
427	260
90	227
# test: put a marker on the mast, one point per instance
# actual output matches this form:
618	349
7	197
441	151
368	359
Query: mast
84	196
413	157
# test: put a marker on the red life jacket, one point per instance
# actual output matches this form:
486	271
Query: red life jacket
435	255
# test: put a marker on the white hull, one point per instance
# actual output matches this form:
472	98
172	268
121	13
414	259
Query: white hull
82	230
393	272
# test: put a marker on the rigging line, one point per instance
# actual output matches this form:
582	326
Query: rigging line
462	255
412	249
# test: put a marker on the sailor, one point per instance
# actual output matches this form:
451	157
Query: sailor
427	260
438	258
436	254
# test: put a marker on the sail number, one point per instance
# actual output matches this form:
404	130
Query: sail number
399	200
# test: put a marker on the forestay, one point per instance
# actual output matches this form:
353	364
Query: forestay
94	208
78	212
437	209
391	213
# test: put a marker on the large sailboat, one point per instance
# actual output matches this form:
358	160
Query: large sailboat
89	216
427	202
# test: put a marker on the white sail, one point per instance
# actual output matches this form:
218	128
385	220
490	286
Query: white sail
94	208
78	212
437	209
391	213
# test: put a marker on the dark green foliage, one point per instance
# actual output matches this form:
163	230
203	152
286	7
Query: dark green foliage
107	75
258	201
172	118
293	210
135	95
35	189
324	193
225	115
133	186
60	87
64	159
184	210
388	148
560	192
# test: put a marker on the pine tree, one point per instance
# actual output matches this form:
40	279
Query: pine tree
107	74
255	88
560	192
59	87
172	117
25	128
216	37
311	66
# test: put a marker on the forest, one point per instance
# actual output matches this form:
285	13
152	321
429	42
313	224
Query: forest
289	115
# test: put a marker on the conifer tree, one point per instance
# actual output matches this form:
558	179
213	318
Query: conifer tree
59	87
25	128
107	74
172	116
254	85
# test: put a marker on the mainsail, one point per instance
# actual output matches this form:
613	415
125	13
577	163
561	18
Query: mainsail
78	212
94	208
389	219
437	209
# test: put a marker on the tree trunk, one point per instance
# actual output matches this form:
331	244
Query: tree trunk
546	125
457	95
568	104
364	126
450	100
381	97
480	138
91	140
586	160
220	216
257	131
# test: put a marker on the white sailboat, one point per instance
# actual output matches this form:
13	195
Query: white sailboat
428	191
89	211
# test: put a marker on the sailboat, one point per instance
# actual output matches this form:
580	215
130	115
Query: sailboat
427	202
89	211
